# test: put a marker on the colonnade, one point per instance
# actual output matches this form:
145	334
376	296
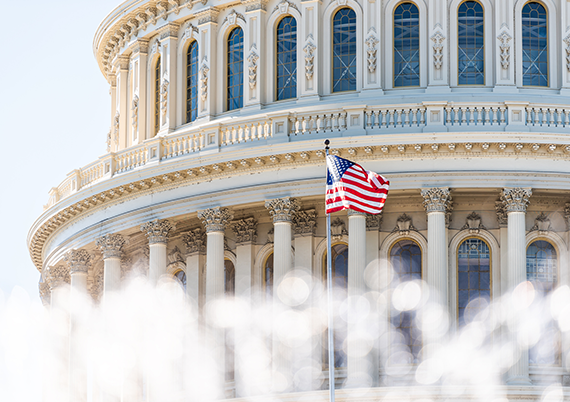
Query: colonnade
292	227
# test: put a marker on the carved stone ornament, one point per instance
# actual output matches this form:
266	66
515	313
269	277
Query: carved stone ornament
116	122
175	256
338	229
505	47
155	48
204	79
284	5
438	39
473	223
271	235
282	209
215	219
175	6
373	222
97	285
541	223
78	260
254	5
44	290
436	199
404	225
108	142
501	212
188	33
195	241
157	231
57	276
135	112
309	50
252	66
164	96
111	245
245	230
516	199
305	222
567	49
371	50
232	17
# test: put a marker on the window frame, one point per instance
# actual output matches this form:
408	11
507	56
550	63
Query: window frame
275	57
393	16
188	46
333	15
484	45
225	51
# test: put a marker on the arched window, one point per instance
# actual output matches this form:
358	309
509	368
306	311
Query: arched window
180	277
230	278
406	45
471	46
542	272
534	45
192	82
235	69
340	284
230	290
157	96
406	260
344	50
286	58
473	278
268	278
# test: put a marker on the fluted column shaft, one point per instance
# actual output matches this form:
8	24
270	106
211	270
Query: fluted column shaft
111	245
373	223
516	201
282	211
157	232
195	242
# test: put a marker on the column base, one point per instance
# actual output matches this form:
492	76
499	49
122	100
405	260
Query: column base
519	380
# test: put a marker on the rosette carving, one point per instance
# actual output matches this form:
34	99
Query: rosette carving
157	231
516	199
305	222
111	245
78	260
215	219
282	209
437	199
195	241
245	230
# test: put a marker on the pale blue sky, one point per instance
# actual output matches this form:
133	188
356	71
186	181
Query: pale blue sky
54	115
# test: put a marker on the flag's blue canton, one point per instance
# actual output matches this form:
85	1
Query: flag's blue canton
340	166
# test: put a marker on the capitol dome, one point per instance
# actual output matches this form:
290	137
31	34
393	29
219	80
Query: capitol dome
214	176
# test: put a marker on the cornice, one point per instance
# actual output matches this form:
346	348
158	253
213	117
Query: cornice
88	202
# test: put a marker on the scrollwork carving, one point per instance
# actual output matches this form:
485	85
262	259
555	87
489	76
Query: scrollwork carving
309	50
135	112
195	241
245	230
164	96
567	49
437	199
338	229
232	16
473	223
516	199
282	209
78	260
373	222
404	225
204	79
111	245
438	39
505	47
371	50
252	66
541	223
157	231
215	219
305	222
501	212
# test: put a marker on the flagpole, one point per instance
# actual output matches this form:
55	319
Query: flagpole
330	298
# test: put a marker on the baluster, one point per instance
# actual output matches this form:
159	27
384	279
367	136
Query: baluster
479	111
368	114
422	112
551	115
297	126
455	116
471	115
414	122
384	118
567	120
463	115
407	118
558	118
391	122
448	115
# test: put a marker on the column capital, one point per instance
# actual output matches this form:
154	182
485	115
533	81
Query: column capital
515	199
157	230
282	209
305	222
373	222
78	260
44	290
501	212
195	241
215	219
245	230
57	276
437	199
111	245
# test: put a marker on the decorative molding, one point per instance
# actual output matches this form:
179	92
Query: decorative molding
309	50
189	32
371	50
215	219
254	5
566	40
195	241
542	224
305	222
245	230
78	260
252	66
404	225
232	17
175	256
157	230
501	212
164	96
209	15
283	7
111	245
567	215
438	39
505	47
116	124
473	223
271	235
437	199
338	229
204	69
282	209
374	222
516	199
57	276
135	112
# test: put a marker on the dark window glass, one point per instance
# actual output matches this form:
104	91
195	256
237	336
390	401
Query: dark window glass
473	278
406	259
406	45
180	276
192	82
344	50
471	46
235	69
157	96
287	58
534	45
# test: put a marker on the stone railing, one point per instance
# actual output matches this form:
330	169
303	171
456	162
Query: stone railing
282	127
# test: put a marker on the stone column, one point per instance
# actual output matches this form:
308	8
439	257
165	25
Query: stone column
122	102
516	201
195	242
503	243
215	221
308	355
282	210
111	245
373	223
79	262
245	231
157	232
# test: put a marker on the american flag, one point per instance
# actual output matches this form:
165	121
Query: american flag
350	186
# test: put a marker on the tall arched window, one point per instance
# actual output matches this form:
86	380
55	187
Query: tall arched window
406	45
473	278
235	69
340	284
534	45
542	272
192	82
286	58
180	277
268	277
406	260
230	290
157	96
344	50
471	46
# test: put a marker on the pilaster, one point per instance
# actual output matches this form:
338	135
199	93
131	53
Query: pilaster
121	121
373	65
310	42
113	136
138	107
195	242
254	46
438	59
208	25
168	83
565	46
504	46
